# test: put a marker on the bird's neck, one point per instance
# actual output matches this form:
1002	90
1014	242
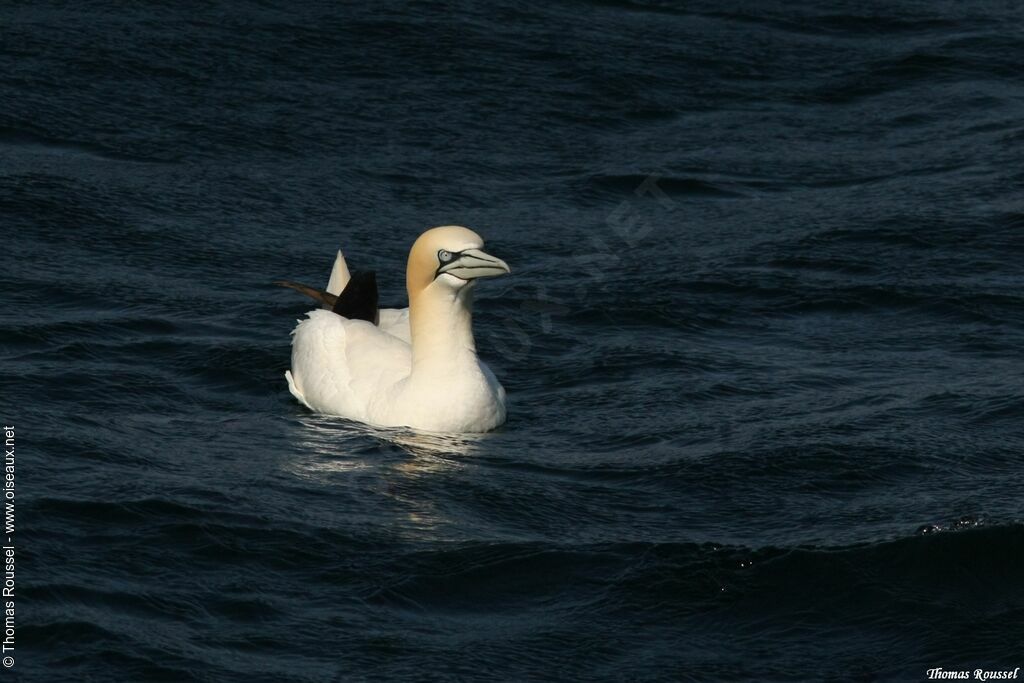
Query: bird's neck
441	326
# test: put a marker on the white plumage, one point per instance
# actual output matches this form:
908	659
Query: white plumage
419	367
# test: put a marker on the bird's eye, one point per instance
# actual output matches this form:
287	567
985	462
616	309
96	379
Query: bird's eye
444	256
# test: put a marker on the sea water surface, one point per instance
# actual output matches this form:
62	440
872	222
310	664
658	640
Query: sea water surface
762	340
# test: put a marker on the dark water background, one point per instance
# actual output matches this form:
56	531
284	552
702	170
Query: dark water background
764	426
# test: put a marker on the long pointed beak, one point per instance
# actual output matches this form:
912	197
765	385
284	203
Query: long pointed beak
473	263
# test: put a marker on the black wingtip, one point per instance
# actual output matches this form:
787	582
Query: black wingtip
359	299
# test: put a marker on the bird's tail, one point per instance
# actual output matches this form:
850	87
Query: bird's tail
339	276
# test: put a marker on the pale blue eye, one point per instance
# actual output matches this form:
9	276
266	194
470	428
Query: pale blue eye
444	256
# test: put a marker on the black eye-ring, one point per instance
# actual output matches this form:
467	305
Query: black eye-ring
444	256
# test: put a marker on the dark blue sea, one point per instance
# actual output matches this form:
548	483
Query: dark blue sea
762	340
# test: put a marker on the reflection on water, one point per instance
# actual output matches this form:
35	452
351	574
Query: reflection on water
437	444
328	444
392	475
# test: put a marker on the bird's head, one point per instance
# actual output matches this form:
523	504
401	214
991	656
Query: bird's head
449	258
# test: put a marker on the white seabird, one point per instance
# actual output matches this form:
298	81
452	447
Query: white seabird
418	366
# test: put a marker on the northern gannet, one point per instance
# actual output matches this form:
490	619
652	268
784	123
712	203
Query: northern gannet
417	367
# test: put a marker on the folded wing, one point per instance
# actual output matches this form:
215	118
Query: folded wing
348	367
